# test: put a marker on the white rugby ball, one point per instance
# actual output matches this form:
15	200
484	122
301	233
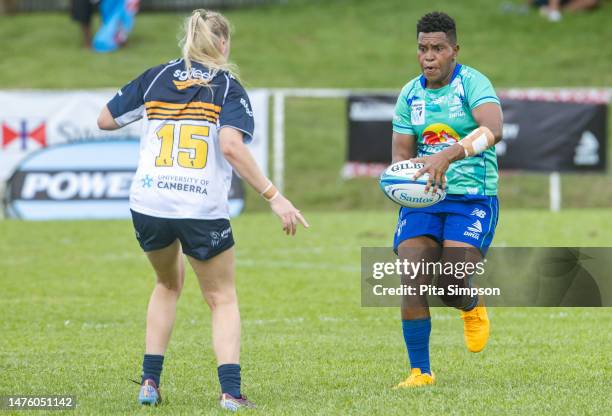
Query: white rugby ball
398	184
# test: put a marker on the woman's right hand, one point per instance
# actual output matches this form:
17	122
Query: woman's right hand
288	214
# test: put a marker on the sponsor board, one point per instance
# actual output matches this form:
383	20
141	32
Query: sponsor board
82	180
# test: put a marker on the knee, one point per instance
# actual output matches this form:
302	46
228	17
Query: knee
174	285
454	301
449	295
216	298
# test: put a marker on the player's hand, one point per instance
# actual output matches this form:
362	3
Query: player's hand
436	166
288	214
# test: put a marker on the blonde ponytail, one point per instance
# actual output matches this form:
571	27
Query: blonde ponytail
204	34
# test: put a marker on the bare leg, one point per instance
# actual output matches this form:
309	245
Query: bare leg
554	5
170	271
218	285
457	252
86	31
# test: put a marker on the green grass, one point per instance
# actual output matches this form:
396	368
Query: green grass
74	296
344	43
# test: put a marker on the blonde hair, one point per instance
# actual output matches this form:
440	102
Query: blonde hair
202	41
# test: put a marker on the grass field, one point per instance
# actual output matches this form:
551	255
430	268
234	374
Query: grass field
75	293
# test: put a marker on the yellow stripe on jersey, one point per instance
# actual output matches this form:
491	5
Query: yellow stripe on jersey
181	106
182	85
194	111
182	117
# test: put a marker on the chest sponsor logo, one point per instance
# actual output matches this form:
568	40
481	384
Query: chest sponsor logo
195	76
439	134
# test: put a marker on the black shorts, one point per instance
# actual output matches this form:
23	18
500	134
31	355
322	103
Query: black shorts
200	239
82	10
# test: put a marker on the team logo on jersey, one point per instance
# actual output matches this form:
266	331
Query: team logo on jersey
147	181
440	133
417	113
23	134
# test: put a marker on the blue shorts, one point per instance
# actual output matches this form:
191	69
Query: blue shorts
468	218
200	239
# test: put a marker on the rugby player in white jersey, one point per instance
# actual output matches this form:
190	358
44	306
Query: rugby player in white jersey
196	120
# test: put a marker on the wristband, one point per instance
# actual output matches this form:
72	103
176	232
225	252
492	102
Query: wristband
270	192
273	197
266	189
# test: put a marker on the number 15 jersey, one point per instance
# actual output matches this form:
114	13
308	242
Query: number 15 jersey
181	170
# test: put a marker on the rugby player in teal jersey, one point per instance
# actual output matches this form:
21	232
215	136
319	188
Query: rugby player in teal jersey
449	119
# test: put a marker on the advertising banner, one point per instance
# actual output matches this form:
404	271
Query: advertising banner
543	131
82	180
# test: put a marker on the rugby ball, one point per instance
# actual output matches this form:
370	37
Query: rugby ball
398	184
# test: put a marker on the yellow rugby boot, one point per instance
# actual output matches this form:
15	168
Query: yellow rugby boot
476	328
416	379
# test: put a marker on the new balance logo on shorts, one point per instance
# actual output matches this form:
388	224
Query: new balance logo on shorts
474	230
479	213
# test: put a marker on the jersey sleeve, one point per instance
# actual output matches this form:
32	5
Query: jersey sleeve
236	111
480	91
401	117
127	105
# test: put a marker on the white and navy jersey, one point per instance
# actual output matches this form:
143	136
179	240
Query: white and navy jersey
181	171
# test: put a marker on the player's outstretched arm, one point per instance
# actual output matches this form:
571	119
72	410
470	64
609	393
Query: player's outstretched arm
106	120
237	154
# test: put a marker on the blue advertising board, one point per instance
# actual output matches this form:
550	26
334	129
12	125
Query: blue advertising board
81	180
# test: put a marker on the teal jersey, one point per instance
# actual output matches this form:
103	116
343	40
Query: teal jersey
441	117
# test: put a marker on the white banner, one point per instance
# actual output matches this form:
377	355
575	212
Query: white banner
31	120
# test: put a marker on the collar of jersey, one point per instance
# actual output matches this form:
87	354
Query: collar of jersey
423	80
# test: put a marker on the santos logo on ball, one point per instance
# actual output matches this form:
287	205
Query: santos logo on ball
409	198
